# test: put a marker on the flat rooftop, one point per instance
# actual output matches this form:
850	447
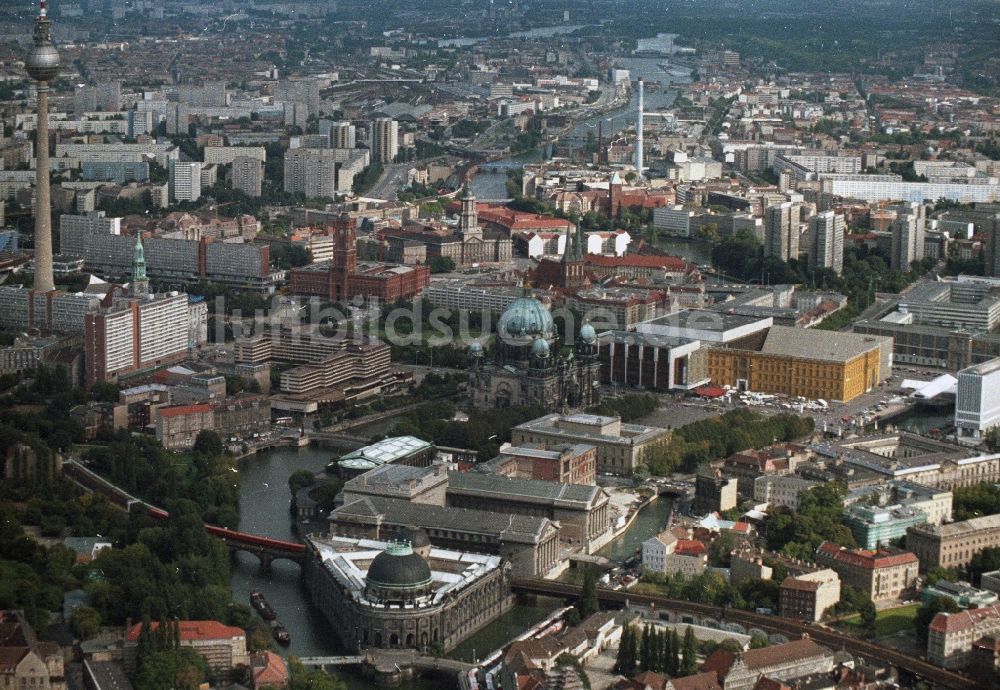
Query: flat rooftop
704	320
828	346
984	368
348	561
579	496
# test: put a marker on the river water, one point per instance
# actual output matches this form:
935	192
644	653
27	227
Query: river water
264	509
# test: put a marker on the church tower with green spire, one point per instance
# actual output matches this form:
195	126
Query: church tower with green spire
140	283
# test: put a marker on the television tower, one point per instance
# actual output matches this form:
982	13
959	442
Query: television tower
43	67
638	134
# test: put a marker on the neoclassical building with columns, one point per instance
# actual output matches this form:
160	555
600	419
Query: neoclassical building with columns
404	593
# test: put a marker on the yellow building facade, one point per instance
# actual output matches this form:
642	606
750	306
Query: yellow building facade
786	374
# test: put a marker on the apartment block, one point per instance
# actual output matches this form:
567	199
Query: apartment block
882	575
247	175
826	245
807	597
977	401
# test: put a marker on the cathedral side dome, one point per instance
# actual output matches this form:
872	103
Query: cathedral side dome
540	348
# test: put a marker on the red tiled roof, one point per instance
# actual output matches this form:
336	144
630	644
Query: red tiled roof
649	679
193	630
179	410
963	620
719	662
869	560
269	669
10	657
707	680
690	547
792	582
639	261
782	653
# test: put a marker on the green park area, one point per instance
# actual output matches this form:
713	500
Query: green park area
888	622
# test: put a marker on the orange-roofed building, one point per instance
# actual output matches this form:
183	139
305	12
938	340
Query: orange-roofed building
950	636
689	558
25	662
884	575
268	670
223	647
706	680
178	426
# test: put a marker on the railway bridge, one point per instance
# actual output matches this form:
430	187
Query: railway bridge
266	550
749	621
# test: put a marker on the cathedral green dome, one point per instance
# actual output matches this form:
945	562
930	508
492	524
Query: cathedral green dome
525	316
587	334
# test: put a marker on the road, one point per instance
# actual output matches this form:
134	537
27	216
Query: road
393	179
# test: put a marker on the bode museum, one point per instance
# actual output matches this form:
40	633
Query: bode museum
405	592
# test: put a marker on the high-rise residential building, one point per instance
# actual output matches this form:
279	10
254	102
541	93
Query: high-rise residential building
185	181
343	135
781	231
992	248
135	334
248	174
104	95
826	245
907	236
977	400
322	172
93	223
385	139
223	155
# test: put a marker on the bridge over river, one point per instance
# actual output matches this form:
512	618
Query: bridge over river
391	666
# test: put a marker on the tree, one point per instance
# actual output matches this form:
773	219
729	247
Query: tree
104	391
983	562
300	479
172	669
646	649
625	662
86	622
689	653
675	654
441	264
868	616
588	603
208	443
926	614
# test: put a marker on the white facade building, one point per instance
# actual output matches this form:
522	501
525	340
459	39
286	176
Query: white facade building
185	181
977	402
655	551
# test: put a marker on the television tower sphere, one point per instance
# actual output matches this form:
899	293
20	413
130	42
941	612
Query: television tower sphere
43	60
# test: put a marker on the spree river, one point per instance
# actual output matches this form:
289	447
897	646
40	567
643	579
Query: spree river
264	510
